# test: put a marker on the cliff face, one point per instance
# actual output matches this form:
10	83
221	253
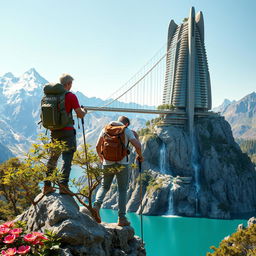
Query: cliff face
206	175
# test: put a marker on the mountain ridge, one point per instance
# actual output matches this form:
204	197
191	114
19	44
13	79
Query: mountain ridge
241	115
20	112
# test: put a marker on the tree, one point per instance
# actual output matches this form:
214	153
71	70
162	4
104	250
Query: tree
243	242
19	179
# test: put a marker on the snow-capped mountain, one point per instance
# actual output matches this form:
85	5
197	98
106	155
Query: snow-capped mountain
20	109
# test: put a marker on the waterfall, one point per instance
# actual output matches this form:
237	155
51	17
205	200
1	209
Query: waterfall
196	169
163	167
170	210
162	159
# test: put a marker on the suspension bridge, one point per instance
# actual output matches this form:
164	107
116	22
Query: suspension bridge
143	92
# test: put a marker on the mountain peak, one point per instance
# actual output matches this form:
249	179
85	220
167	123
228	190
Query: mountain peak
32	74
8	75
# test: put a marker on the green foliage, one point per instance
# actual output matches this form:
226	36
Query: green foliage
154	185
18	187
149	129
165	106
248	147
144	131
146	178
19	179
241	243
93	174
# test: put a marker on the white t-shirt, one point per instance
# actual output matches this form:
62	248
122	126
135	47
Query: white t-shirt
128	136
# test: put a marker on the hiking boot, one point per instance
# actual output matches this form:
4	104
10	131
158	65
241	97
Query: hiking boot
48	189
96	214
122	221
64	189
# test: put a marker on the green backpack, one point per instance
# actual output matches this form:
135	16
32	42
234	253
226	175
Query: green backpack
53	112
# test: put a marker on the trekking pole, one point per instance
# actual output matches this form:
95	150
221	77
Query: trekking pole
85	153
85	148
141	216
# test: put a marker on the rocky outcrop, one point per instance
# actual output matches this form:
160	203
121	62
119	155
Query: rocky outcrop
79	233
204	175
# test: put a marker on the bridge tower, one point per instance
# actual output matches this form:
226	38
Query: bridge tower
187	85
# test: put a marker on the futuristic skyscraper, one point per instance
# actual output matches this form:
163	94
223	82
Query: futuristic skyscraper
187	81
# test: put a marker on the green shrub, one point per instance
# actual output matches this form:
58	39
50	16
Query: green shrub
241	243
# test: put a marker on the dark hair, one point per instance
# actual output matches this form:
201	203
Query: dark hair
124	120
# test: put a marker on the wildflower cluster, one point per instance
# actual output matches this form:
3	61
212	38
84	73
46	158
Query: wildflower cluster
14	240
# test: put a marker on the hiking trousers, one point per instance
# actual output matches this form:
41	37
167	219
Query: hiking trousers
122	182
69	137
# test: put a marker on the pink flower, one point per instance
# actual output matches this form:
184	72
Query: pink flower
9	252
9	224
4	230
23	249
40	235
9	239
30	238
15	231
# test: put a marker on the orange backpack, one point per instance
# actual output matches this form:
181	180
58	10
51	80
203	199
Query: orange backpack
113	146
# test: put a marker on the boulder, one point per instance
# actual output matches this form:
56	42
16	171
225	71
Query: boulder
79	233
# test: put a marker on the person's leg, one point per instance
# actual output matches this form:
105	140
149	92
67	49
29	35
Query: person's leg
105	186
67	157
122	182
51	165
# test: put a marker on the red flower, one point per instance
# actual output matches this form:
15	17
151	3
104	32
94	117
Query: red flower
30	238
40	235
23	249
15	231
9	239
4	230
9	252
9	224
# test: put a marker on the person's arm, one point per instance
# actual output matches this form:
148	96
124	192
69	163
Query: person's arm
137	145
98	148
80	112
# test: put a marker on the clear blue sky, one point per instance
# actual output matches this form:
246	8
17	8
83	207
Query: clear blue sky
103	43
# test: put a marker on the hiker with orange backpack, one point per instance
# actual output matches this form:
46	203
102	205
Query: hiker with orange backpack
56	115
112	148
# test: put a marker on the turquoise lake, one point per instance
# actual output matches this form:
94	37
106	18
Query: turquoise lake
175	236
178	236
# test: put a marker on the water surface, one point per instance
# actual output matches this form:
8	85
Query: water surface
178	236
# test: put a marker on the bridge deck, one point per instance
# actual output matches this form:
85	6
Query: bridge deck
148	111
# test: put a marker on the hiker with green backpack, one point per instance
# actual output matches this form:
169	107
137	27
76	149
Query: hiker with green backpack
112	148
56	115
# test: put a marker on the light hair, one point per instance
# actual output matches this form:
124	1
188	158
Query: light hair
123	119
65	79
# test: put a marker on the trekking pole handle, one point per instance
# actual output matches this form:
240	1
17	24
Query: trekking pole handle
83	117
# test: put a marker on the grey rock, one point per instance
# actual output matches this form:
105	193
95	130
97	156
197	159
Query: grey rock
78	231
251	221
240	227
